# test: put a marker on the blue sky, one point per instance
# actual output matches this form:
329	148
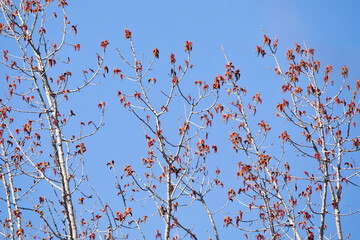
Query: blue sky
330	27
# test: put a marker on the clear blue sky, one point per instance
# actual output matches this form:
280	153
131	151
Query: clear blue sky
332	28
